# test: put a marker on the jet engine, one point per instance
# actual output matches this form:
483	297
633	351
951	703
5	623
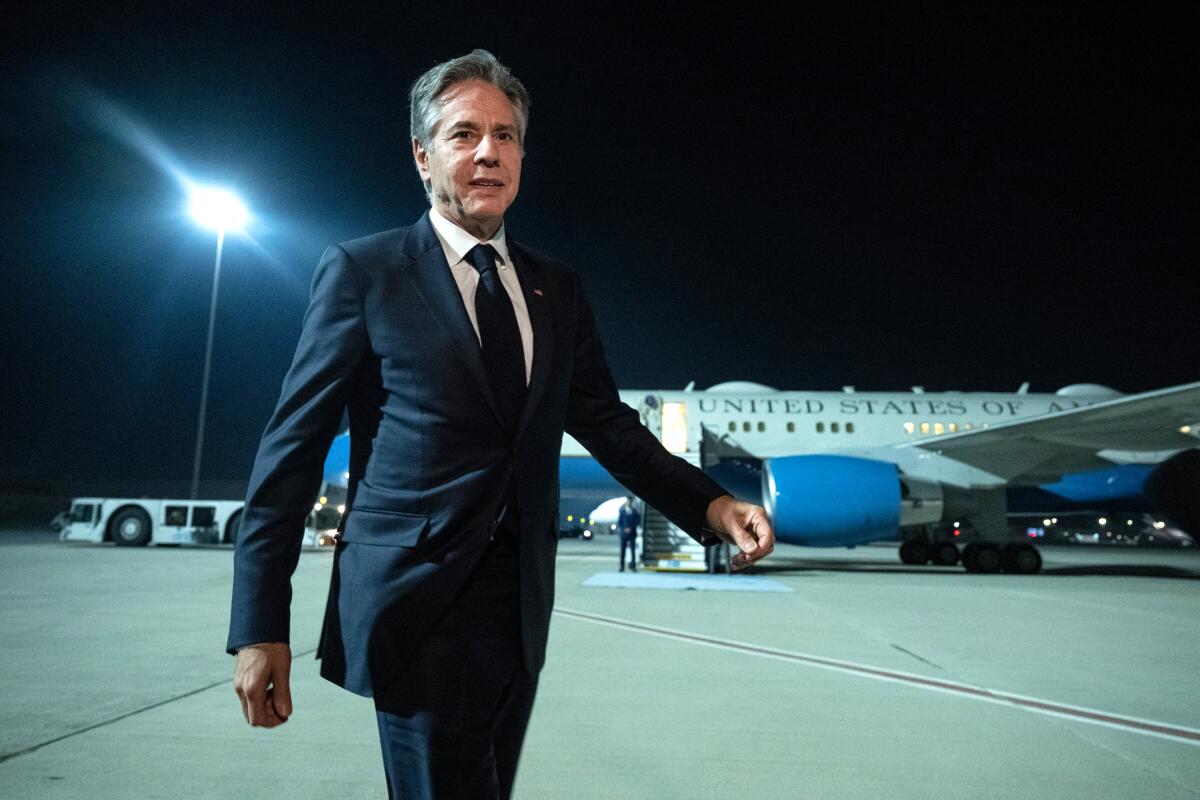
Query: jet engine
831	501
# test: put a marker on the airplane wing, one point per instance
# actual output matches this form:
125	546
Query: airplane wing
1040	449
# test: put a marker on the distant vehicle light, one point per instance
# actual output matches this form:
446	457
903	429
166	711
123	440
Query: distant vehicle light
342	509
324	500
1103	520
570	518
317	506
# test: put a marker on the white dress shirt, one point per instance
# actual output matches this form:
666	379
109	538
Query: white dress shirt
456	243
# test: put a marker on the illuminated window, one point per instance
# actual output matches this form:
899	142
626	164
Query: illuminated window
849	427
820	427
967	426
939	428
833	427
762	426
791	427
732	426
909	427
954	427
924	427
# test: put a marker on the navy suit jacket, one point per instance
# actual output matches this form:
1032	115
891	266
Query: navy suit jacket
387	337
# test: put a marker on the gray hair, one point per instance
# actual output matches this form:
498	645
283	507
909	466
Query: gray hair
425	108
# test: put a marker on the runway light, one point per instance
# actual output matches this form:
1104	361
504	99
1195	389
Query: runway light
218	209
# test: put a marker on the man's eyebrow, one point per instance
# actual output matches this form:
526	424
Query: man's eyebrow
466	124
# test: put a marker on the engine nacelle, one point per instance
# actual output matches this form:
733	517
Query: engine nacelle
831	501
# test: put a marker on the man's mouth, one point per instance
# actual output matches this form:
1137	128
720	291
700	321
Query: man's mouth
486	182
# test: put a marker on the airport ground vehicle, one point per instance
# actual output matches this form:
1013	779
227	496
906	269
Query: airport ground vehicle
138	521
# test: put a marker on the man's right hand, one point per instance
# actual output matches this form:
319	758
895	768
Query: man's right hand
260	679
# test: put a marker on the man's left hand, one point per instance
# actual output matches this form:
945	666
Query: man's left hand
744	526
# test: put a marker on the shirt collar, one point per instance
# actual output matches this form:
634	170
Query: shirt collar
457	243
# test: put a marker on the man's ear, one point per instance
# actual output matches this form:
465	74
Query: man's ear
421	157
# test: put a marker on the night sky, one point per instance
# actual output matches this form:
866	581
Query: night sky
960	199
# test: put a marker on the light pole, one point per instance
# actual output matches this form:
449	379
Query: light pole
219	210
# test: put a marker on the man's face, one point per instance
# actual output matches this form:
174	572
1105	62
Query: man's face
473	162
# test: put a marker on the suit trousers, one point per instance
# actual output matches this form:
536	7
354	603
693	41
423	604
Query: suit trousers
452	724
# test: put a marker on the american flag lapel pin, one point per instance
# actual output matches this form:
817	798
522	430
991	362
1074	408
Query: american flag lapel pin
538	292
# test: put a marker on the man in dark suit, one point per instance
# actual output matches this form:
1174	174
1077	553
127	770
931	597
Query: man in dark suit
462	356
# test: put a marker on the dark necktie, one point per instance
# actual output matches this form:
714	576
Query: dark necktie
503	353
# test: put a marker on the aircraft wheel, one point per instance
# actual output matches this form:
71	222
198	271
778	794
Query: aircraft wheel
982	557
131	528
914	551
231	528
945	554
1022	559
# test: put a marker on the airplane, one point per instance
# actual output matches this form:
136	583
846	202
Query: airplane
840	469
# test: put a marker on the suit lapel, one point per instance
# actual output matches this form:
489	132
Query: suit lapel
435	284
543	330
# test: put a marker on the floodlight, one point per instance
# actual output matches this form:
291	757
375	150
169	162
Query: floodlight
218	209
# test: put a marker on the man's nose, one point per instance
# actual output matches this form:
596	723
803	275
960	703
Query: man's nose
487	152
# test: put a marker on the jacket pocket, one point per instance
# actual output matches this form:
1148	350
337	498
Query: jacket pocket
381	526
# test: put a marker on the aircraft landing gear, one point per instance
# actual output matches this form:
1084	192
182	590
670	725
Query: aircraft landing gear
944	554
914	551
982	557
1021	559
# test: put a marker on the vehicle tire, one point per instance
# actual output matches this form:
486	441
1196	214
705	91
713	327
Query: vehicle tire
982	557
131	528
1022	559
945	554
231	527
914	551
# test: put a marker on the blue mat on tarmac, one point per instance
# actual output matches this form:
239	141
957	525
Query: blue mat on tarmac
675	580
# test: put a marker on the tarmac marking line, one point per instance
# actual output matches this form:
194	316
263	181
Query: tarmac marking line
35	747
1177	733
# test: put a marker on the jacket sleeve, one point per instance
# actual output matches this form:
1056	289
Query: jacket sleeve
288	467
614	434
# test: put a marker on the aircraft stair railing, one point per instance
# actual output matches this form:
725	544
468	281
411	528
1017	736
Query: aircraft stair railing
666	548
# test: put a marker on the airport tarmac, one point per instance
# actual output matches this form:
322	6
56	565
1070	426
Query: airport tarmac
844	675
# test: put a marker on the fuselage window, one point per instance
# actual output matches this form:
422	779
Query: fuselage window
762	426
924	427
746	427
732	427
954	427
791	427
849	427
833	427
820	427
909	427
939	428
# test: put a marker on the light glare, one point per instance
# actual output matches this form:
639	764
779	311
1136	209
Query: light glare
218	209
